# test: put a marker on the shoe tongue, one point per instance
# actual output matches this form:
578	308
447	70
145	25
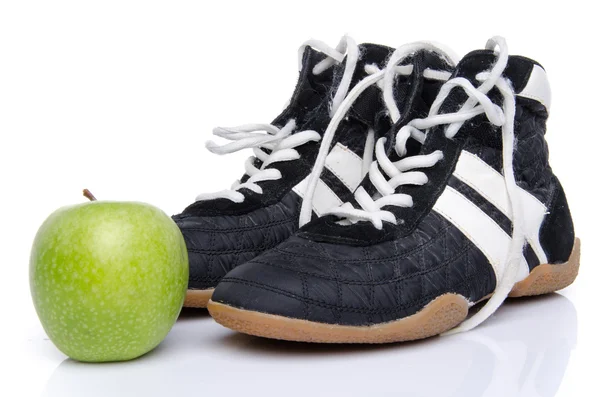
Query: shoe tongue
369	107
517	71
311	90
414	94
369	103
308	102
325	85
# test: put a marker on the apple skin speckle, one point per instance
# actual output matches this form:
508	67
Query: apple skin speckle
108	279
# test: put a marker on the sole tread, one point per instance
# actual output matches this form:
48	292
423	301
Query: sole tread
440	315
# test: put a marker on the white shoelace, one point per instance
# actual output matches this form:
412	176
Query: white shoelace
401	172
280	142
385	80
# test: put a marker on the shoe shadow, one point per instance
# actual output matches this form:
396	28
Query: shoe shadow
274	347
523	350
189	313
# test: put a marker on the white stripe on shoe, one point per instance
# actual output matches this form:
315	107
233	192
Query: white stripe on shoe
478	227
490	184
325	198
346	166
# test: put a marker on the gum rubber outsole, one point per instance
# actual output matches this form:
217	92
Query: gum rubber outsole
440	315
545	279
197	298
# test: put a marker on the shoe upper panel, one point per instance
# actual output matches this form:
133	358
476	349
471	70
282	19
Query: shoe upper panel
217	244
352	134
310	90
361	285
424	197
308	105
530	157
477	136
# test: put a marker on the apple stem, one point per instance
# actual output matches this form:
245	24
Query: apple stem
87	194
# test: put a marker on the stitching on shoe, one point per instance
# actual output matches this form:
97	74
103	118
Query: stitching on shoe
371	285
447	270
467	245
240	229
394	309
210	259
205	278
217	252
348	260
397	274
336	277
305	294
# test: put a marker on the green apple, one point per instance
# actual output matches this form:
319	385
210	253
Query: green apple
108	279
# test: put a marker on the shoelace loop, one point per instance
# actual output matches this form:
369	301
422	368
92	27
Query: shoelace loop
280	141
384	79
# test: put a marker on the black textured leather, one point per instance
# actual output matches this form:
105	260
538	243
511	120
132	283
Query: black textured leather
530	158
352	285
217	244
532	170
558	235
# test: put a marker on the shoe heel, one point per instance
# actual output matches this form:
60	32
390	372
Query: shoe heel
547	278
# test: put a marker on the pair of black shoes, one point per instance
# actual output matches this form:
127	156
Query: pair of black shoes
395	191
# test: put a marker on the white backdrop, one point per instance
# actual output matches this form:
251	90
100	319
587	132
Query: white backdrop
120	96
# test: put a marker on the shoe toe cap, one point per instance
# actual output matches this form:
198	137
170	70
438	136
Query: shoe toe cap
259	287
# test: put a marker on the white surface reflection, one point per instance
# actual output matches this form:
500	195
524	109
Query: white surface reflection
522	351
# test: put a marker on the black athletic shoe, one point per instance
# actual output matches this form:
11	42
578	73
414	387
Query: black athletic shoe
226	229
461	206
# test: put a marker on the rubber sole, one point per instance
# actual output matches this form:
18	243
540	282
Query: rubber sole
545	279
440	315
197	298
